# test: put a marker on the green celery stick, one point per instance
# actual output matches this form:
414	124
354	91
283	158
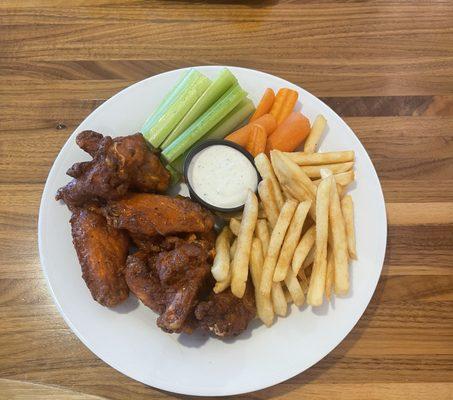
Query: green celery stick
176	111
218	87
170	98
207	121
230	123
175	175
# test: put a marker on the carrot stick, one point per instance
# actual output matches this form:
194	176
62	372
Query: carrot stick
283	104
290	133
264	105
241	136
257	140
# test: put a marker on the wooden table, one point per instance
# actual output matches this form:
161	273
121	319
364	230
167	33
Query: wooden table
385	66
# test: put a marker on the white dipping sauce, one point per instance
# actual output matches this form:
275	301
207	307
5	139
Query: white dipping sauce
222	176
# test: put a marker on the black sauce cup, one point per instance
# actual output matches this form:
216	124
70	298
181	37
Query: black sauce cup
195	150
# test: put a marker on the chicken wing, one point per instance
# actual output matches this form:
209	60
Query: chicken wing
224	314
118	165
102	252
151	214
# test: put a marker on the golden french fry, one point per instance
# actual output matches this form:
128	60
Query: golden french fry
279	300
294	288
347	206
266	192
343	178
219	287
235	225
339	243
314	171
262	232
315	134
275	243
233	249
290	242
288	297
240	264
287	194
221	264
264	306
265	169
310	259
330	272
334	157
290	174
303	248
303	280
318	275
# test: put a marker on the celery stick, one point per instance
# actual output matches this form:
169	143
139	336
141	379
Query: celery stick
170	98
218	87
231	122
176	111
207	121
175	175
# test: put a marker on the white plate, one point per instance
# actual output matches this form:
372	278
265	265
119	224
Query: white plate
128	339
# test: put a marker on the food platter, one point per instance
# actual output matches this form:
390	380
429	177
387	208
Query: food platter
127	338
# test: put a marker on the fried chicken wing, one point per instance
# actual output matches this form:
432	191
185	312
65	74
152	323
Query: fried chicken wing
224	314
118	165
102	252
151	214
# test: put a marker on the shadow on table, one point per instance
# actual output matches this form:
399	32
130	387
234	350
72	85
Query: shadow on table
320	368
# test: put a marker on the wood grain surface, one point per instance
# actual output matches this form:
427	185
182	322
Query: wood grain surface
385	66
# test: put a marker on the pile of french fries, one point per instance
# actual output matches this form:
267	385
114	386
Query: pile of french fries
297	238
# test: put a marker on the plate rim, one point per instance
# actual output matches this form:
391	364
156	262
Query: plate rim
202	391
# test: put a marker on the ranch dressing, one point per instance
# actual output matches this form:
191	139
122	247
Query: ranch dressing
222	176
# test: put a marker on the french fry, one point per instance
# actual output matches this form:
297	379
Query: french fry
330	272
339	243
290	242
318	276
294	288
303	280
347	206
275	243
225	284
262	232
316	132
233	249
264	306
289	173
288	297
235	225
266	193
265	169
286	194
239	267
309	260
314	171
334	157
221	264
343	178
279	300
303	248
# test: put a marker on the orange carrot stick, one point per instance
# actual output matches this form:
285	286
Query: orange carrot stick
267	121
257	140
290	133
264	105
283	104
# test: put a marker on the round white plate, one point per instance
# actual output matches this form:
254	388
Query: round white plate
127	337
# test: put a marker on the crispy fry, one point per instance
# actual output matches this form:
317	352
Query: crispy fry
309	260
239	268
303	248
303	281
330	272
279	300
316	132
318	276
233	250
294	288
314	171
288	297
265	169
262	232
343	178
334	157
347	206
291	239
286	194
221	264
264	306
235	225
339	243
266	192
275	243
221	286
